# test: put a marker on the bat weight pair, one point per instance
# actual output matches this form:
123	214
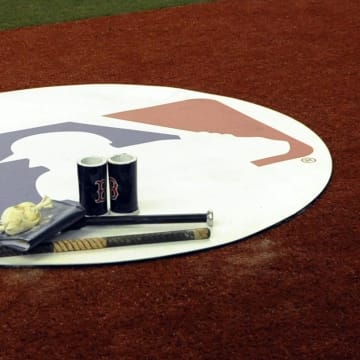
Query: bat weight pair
103	181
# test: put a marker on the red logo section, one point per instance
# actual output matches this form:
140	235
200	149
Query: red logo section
213	116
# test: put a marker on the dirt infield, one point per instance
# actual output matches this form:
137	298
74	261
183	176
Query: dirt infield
291	292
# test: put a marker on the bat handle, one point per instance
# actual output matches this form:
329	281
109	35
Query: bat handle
208	218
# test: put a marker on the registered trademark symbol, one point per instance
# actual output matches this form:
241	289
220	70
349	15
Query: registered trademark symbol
308	160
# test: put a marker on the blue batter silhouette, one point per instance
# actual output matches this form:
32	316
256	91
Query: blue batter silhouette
17	179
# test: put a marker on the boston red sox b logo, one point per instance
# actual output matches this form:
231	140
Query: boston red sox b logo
114	188
101	191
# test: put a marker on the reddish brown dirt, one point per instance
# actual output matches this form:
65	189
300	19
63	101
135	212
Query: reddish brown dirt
291	292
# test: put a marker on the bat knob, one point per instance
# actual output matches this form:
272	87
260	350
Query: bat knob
210	218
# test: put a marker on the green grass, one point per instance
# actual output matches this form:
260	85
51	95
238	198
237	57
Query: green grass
20	13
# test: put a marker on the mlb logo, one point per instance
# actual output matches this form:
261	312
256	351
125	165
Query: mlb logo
252	166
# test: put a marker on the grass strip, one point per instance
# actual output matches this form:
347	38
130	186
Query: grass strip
21	13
